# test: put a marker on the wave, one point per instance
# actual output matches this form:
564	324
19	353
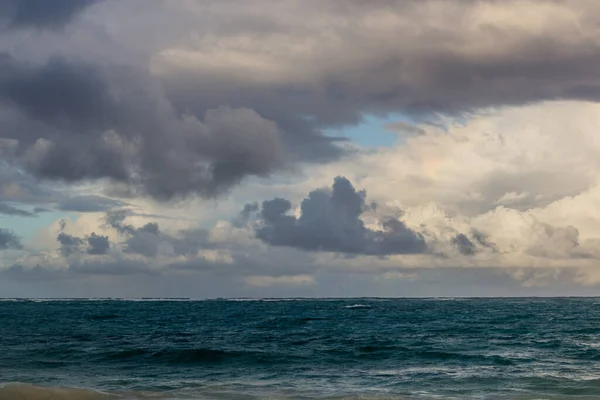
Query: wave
391	351
173	356
358	306
26	392
103	317
193	356
99	299
199	356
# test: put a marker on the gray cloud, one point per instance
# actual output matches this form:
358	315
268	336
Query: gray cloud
145	240
69	244
93	244
89	203
166	254
134	280
10	210
8	240
558	242
330	221
97	244
79	268
148	240
121	267
405	128
19	187
246	214
464	244
482	239
41	13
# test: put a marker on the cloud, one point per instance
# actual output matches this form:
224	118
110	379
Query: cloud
294	280
251	92
10	210
98	244
96	117
148	240
405	128
84	101
92	244
469	166
126	247
447	56
556	242
89	203
108	124
40	13
464	245
8	240
330	221
336	230
68	244
16	187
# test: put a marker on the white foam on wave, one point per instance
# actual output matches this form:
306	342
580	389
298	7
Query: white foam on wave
132	299
358	306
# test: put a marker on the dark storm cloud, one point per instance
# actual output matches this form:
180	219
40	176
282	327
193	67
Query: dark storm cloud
439	83
330	221
10	210
58	92
235	142
249	93
8	240
302	115
50	14
451	57
69	106
113	123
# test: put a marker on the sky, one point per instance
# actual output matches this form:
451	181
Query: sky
299	148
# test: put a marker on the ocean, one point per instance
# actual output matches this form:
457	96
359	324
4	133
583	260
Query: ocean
531	348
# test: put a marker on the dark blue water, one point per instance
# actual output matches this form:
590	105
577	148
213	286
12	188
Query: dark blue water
310	349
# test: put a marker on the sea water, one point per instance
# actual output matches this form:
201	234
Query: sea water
300	349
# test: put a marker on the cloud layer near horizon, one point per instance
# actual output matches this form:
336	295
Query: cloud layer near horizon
150	124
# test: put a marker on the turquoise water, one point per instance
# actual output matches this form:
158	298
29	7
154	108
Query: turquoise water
301	349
